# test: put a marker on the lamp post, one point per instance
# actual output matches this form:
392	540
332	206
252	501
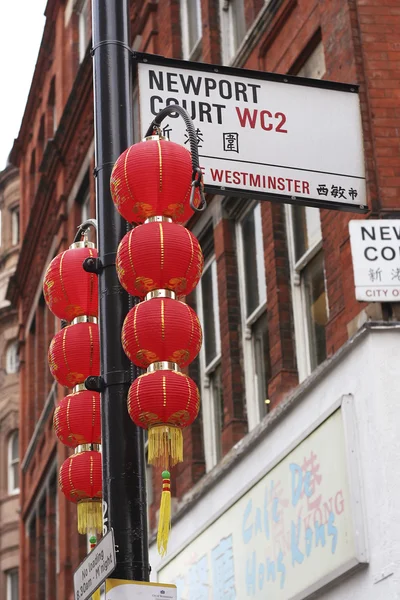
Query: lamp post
124	491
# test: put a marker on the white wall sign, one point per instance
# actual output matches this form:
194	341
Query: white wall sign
287	537
97	566
262	135
122	589
375	249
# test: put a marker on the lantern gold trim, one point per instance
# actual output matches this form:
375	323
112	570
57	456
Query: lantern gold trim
79	388
84	319
160	294
158	219
88	448
163	365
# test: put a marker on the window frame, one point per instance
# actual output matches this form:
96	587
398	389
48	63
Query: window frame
10	574
12	358
15	226
11	463
299	301
211	433
83	29
298	266
194	52
253	402
232	19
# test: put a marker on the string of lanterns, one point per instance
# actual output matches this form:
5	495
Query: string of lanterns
74	354
159	261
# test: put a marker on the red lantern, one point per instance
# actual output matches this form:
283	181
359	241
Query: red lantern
77	419
159	255
74	354
153	178
80	481
161	329
70	291
164	402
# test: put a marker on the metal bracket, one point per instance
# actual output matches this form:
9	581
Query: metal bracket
99	384
96	265
94	383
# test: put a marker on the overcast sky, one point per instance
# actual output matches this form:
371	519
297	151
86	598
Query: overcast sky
21	29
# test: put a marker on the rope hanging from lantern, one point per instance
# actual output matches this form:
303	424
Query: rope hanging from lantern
197	175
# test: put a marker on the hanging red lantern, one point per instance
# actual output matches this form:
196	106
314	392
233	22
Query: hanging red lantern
69	291
80	480
74	354
77	419
153	178
164	402
161	329
160	255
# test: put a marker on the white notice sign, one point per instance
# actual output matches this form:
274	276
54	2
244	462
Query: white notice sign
261	134
121	589
97	566
375	249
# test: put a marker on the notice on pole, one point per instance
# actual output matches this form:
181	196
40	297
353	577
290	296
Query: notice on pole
94	570
121	589
262	135
375	249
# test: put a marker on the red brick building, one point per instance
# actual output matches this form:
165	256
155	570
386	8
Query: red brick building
277	295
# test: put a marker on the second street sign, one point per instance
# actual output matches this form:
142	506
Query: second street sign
262	135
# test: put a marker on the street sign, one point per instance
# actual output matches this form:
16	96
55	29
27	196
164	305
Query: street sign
122	589
97	566
375	249
262	135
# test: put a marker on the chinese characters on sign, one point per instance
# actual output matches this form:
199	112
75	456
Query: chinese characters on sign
290	531
261	136
375	249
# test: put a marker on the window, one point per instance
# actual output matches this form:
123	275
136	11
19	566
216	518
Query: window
210	358
85	210
233	28
314	67
12	585
12	358
308	286
15	226
84	29
253	295
310	302
13	463
51	110
191	28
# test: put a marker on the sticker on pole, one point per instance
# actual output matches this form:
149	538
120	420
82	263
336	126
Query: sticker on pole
97	566
262	135
122	589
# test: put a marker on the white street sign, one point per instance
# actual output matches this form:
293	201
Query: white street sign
375	249
260	134
97	566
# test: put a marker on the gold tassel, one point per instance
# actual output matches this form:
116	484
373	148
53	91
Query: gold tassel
165	445
164	519
90	515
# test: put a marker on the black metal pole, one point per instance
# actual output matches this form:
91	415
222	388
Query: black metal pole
124	488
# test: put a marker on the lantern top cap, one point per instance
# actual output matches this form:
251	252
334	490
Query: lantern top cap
82	244
156	138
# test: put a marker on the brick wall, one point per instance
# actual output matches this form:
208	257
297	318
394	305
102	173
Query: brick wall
361	45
